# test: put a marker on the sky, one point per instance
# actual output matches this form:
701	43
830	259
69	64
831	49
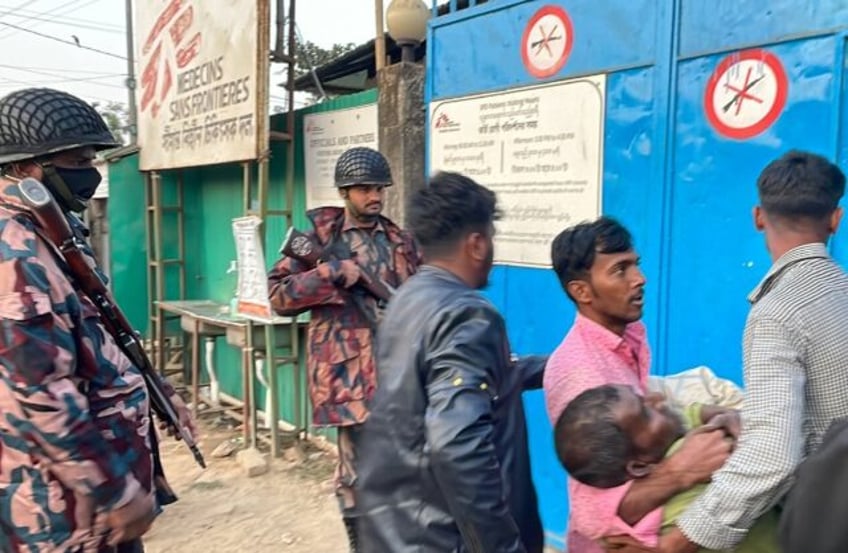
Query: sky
27	59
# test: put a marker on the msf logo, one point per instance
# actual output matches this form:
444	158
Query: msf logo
170	46
444	123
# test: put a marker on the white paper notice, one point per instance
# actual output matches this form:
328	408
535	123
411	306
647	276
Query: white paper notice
540	149
252	275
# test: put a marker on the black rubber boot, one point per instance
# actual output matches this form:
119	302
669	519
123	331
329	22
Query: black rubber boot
350	526
134	546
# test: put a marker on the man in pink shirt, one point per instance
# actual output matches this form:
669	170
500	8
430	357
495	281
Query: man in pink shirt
599	271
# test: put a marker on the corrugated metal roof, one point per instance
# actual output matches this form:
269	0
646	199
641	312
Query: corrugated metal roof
356	70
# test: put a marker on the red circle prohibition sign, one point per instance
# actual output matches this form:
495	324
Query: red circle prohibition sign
548	41
746	94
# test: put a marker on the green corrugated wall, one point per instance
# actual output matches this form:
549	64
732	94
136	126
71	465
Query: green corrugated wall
213	196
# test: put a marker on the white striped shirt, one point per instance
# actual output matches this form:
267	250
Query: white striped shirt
796	383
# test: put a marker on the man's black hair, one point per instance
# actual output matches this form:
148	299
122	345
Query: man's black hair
590	444
573	250
450	207
801	186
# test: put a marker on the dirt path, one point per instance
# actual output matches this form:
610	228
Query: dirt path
290	509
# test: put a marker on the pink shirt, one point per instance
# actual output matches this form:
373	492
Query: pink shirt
591	356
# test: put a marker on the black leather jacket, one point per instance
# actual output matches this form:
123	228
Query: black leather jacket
442	462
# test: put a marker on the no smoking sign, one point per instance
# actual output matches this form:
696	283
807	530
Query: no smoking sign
746	94
547	41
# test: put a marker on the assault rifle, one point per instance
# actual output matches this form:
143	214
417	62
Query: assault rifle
304	248
58	232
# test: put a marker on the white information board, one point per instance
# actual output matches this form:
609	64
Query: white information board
203	80
539	148
326	136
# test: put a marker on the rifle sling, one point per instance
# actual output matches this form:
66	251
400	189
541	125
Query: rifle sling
164	494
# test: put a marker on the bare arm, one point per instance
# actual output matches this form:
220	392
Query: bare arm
703	452
771	447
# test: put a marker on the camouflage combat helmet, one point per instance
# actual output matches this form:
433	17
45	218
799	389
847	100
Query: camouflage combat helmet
35	122
359	166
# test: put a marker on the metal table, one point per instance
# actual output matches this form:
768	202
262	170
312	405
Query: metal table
248	333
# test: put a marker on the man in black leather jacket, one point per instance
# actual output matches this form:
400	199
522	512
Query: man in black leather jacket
443	462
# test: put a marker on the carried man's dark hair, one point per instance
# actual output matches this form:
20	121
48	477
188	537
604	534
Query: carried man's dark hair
590	444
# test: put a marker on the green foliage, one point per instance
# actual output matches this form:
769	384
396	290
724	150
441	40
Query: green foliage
116	116
310	53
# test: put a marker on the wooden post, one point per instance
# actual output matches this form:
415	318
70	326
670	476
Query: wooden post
380	41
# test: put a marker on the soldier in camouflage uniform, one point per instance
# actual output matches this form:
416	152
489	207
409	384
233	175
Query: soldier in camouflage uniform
341	333
75	445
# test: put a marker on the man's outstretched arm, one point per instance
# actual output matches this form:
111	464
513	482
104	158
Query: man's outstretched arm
770	448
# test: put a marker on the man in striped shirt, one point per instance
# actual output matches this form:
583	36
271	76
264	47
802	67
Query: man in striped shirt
795	355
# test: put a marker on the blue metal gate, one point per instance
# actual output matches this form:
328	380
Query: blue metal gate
682	184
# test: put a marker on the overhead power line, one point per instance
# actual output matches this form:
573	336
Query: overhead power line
65	19
56	82
24	29
53	13
76	25
4	84
66	79
60	69
10	9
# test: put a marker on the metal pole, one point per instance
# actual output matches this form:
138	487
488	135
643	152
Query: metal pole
273	405
248	426
133	111
279	43
292	51
290	119
407	52
380	41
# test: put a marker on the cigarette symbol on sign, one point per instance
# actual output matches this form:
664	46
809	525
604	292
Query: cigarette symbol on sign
742	94
545	41
746	93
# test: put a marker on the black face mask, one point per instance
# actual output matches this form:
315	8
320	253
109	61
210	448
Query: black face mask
81	182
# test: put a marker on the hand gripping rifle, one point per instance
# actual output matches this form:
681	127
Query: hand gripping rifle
58	232
304	248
